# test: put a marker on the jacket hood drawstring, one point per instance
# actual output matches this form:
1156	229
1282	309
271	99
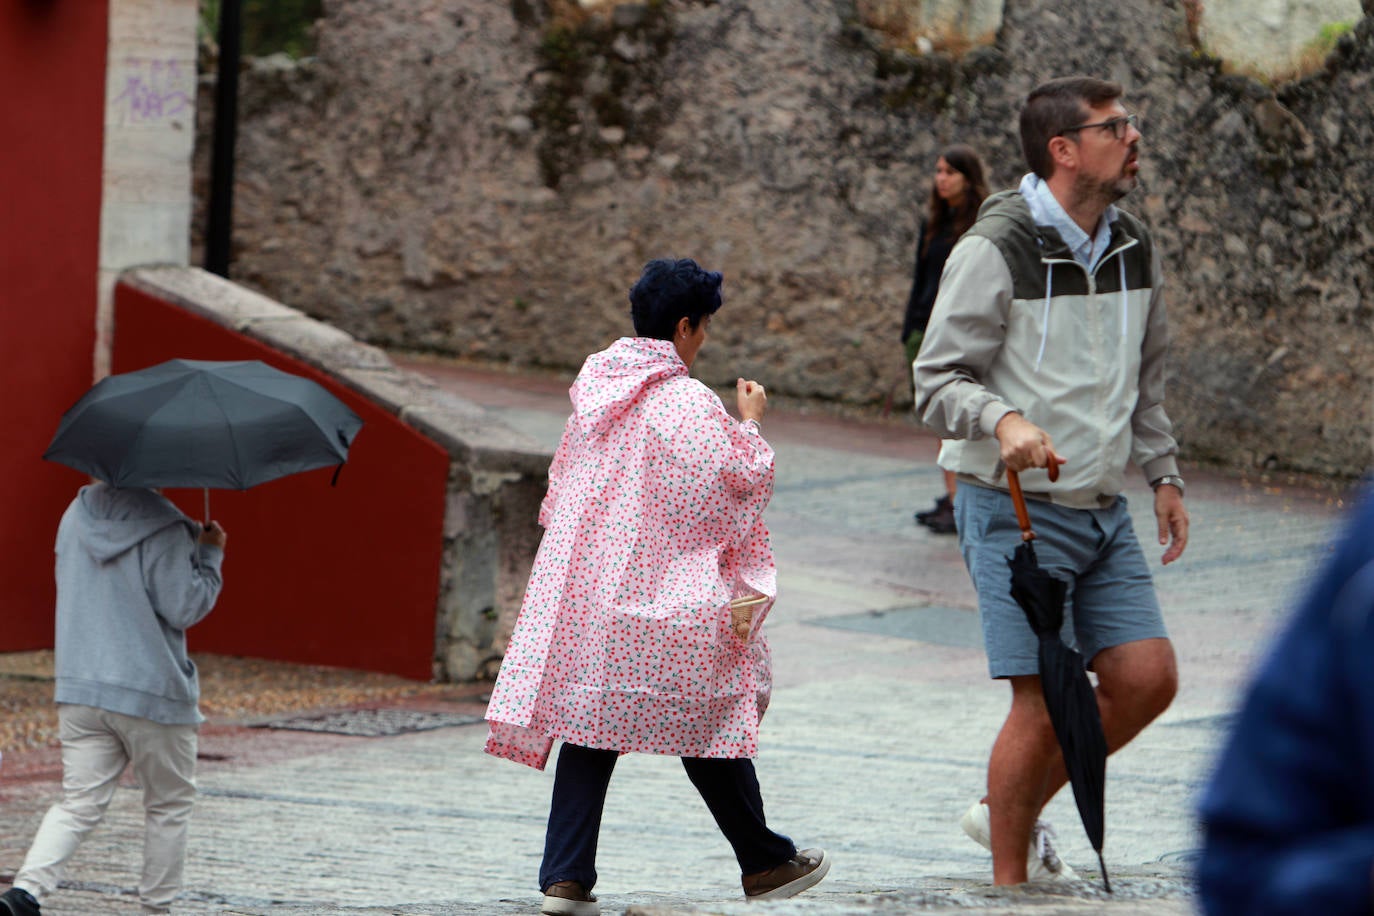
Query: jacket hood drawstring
1125	301
1120	256
1045	322
1045	211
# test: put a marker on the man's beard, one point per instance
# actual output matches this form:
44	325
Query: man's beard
1104	192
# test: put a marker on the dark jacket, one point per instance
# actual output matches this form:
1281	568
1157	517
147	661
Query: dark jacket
1288	816
925	280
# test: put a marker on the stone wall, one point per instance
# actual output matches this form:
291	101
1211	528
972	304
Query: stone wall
484	179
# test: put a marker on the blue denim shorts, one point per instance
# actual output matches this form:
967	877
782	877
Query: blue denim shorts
1111	597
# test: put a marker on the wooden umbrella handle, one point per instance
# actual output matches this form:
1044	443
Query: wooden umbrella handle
1018	499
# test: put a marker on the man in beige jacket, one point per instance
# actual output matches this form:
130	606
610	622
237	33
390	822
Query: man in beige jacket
1046	346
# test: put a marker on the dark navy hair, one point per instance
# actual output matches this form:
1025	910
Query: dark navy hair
669	290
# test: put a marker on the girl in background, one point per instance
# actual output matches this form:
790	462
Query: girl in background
957	192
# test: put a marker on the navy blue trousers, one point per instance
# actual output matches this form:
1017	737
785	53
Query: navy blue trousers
730	789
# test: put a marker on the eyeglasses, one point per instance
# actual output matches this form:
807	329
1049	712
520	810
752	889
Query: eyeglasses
1118	126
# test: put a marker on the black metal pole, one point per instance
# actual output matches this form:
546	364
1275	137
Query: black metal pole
220	216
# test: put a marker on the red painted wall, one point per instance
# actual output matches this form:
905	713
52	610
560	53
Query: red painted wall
347	575
52	105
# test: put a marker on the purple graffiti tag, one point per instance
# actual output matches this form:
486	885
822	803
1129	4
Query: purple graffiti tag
151	91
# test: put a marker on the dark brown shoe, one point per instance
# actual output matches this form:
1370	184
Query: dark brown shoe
943	504
805	869
943	524
568	898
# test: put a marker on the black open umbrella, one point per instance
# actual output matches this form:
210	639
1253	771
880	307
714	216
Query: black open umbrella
1069	696
198	423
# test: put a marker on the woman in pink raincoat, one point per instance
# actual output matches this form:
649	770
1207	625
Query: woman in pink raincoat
653	524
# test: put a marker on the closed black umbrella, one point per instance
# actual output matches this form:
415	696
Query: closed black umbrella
1069	696
198	423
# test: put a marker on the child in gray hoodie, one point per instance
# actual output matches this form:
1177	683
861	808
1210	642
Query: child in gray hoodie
133	573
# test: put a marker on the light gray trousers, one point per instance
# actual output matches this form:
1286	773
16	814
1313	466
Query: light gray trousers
96	747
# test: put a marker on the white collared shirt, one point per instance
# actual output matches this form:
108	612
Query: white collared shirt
1047	211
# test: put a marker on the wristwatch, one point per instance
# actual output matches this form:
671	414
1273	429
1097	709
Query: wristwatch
1172	480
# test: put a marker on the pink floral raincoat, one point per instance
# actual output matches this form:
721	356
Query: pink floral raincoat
653	522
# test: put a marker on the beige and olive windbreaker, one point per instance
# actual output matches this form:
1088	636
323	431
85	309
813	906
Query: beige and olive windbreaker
1019	325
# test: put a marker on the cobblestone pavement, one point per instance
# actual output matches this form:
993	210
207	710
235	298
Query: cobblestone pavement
877	739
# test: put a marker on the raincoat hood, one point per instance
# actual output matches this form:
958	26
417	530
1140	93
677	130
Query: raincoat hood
612	380
116	520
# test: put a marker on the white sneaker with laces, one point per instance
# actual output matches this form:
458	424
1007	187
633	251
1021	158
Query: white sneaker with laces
1042	862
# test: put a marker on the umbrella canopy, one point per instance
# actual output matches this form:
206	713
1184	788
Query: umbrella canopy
1069	696
197	423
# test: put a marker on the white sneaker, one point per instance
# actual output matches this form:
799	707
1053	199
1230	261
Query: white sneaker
569	898
1042	862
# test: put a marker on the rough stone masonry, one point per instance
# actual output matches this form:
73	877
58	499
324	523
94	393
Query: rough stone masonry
484	179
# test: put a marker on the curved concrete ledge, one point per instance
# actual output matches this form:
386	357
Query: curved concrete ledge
463	428
497	476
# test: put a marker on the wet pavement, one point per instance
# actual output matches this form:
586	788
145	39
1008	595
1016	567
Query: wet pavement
876	741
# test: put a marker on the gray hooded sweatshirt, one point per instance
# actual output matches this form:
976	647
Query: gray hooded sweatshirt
131	577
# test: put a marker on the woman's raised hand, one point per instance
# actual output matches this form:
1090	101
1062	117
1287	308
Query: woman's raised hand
752	399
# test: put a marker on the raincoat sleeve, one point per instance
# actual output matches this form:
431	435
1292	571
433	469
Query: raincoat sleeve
750	477
181	576
732	458
747	472
714	448
749	467
1152	434
1288	816
967	328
